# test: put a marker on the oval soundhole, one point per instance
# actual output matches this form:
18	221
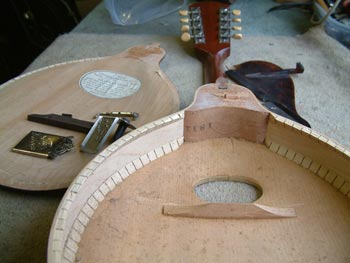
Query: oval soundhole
228	190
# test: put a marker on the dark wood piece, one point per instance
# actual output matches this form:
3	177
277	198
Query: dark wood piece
276	94
65	121
278	91
211	53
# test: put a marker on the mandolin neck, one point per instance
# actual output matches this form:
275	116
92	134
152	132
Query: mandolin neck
212	63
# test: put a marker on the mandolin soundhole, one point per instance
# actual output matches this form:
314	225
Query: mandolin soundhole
225	189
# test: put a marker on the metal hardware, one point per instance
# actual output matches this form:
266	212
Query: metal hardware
98	134
123	125
44	145
99	130
224	25
196	25
119	114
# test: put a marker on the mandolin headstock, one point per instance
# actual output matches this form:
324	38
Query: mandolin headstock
209	25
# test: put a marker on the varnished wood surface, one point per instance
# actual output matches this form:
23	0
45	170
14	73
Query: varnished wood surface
212	53
56	90
212	63
113	210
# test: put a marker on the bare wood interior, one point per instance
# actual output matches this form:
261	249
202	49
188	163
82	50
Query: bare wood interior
208	115
114	210
322	150
129	225
56	90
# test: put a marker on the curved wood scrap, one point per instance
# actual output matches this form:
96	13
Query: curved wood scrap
228	211
231	112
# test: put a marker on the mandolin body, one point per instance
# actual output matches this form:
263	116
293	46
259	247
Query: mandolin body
130	81
136	201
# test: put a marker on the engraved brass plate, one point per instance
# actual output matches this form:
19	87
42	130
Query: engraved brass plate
43	145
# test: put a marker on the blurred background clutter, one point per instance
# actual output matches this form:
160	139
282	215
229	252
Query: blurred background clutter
30	26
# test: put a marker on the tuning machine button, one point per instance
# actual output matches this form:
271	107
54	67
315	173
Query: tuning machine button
184	20
183	12
185	28
185	37
192	25
237	19
236	12
237	36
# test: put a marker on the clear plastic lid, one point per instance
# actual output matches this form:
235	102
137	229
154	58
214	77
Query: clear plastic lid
134	12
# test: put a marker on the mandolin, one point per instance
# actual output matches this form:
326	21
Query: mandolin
130	81
209	24
137	200
156	195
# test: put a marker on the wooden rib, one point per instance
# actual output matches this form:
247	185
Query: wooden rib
59	249
62	244
335	168
227	211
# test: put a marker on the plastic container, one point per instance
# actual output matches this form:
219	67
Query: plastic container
140	11
334	28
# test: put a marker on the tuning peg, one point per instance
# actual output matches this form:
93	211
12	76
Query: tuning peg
237	20
185	28
184	20
236	12
185	37
183	12
237	36
237	28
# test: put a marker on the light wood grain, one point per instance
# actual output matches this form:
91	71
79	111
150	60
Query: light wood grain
56	90
113	210
231	112
131	213
311	144
227	211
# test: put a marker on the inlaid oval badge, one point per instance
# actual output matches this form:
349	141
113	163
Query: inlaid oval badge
108	84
